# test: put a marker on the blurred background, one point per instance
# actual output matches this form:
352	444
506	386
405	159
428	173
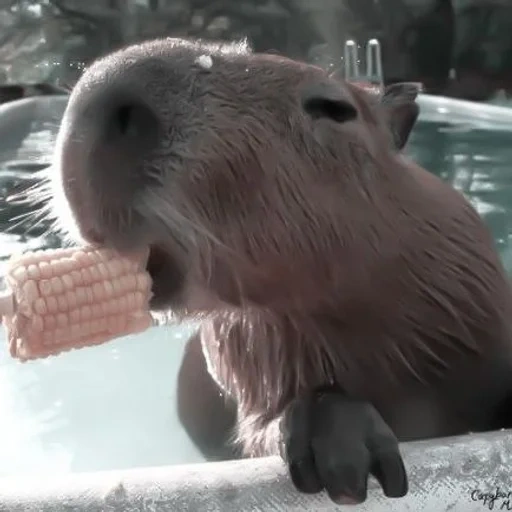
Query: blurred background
459	48
114	406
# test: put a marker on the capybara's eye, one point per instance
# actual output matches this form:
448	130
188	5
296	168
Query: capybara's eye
329	102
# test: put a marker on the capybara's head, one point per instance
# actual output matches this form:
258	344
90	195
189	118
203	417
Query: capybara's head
239	170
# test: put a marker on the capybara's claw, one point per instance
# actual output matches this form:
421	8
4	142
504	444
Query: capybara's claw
334	443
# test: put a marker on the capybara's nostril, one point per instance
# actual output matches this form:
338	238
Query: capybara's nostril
132	123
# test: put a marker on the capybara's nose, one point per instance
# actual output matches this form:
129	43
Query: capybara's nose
115	141
105	155
130	125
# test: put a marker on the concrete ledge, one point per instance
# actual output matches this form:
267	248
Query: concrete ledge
459	474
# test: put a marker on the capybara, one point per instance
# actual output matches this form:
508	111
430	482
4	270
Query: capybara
347	298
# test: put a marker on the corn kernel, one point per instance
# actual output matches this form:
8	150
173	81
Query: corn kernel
73	298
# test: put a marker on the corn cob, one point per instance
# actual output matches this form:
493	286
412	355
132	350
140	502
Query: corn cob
62	299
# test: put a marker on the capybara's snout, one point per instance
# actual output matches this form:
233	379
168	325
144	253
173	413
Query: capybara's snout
103	158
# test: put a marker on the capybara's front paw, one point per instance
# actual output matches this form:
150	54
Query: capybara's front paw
332	442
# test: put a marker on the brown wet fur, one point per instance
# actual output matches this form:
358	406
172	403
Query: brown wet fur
310	249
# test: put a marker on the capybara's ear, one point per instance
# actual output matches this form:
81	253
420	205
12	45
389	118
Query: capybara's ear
401	110
329	101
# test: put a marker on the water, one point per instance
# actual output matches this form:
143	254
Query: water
478	164
113	406
102	408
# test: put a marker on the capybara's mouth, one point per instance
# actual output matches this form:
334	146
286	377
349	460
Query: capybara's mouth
165	275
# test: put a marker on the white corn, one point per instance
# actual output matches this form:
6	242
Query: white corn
62	299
